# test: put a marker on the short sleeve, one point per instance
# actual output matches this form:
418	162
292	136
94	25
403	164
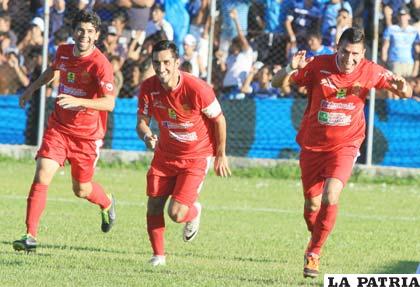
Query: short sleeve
208	103
144	102
55	63
382	78
303	77
106	79
386	34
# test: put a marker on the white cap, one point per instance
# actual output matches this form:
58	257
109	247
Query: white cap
190	40
112	30
11	50
38	21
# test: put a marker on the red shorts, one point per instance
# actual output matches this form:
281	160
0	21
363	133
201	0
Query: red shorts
181	178
316	167
81	153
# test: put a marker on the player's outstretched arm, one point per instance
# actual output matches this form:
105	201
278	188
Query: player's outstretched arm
282	77
46	77
221	164
145	133
400	87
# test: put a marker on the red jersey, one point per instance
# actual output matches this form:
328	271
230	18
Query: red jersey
184	115
87	77
334	116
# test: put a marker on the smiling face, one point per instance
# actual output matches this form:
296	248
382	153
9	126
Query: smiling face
85	35
349	56
166	67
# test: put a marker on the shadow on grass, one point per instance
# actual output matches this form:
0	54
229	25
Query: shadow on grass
222	257
75	248
399	267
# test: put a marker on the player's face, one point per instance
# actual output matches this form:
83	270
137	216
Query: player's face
166	67
85	36
349	56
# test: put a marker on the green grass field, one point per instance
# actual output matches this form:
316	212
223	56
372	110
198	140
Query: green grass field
252	233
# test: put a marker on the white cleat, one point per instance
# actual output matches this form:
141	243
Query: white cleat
157	260
191	227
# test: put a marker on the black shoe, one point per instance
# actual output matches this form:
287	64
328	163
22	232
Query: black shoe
108	216
26	243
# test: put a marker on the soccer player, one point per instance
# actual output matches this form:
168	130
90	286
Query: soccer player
76	127
192	129
333	127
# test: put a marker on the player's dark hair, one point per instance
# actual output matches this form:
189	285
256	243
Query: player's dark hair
186	67
314	33
352	35
86	16
166	45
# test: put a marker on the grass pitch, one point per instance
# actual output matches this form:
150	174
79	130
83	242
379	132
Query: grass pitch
252	233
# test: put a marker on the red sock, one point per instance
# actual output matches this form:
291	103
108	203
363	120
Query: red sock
191	214
98	196
310	218
156	230
36	202
323	226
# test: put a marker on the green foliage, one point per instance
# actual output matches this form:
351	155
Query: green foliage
252	233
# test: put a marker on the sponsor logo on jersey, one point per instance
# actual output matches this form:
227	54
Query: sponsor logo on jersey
333	119
154	93
72	91
337	106
186	107
341	93
62	67
325	72
182	126
183	137
171	113
71	77
108	86
85	77
64	58
356	89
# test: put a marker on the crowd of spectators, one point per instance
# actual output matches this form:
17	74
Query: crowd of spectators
253	38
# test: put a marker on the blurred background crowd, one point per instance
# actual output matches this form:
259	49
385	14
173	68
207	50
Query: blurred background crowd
252	39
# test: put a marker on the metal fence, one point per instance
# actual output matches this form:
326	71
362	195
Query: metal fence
264	33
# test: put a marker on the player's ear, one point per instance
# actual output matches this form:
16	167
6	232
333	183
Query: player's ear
97	34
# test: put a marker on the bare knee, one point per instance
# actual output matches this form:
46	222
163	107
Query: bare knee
332	191
312	205
177	211
176	215
82	190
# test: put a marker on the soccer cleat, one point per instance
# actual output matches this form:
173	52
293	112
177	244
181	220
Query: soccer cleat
157	260
108	216
311	265
26	243
191	227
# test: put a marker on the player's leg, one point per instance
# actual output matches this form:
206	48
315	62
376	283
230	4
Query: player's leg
336	170
94	193
156	228
323	226
160	184
83	156
183	207
50	156
327	215
313	184
36	201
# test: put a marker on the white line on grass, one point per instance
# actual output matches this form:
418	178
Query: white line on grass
242	209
